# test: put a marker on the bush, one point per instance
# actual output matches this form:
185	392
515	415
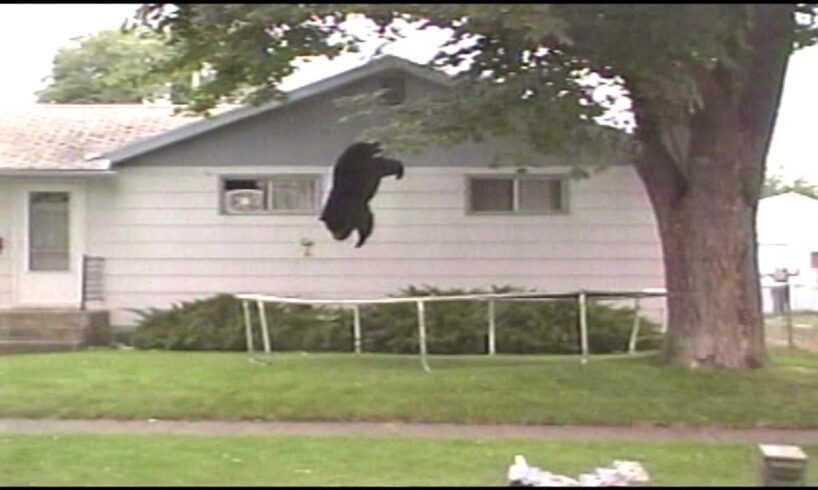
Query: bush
457	327
524	327
217	323
208	324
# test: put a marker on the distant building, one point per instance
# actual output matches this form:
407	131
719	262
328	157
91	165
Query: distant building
788	237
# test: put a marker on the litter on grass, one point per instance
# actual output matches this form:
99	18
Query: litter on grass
620	474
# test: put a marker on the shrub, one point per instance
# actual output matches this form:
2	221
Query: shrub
207	324
457	327
217	323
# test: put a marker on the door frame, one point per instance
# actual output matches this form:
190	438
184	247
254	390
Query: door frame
77	228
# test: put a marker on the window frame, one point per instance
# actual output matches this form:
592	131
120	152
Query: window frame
564	181
318	178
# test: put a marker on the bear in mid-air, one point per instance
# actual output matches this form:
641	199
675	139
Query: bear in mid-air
355	179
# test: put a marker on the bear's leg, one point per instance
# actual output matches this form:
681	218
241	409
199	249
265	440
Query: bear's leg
365	225
389	166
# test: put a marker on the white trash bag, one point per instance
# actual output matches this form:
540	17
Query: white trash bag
621	474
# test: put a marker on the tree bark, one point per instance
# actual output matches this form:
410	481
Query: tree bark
711	273
705	203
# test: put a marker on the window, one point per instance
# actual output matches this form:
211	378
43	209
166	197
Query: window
517	195
48	237
814	257
395	90
296	194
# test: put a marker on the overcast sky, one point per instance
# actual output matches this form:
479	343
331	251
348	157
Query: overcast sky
30	35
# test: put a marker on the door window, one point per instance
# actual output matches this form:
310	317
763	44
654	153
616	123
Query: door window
48	225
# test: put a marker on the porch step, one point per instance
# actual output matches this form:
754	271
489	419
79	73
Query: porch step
24	346
41	330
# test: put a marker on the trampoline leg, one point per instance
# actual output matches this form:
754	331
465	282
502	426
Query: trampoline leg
635	331
248	328
265	332
356	328
422	336
583	326
492	346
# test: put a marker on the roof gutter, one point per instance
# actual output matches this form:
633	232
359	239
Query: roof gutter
54	173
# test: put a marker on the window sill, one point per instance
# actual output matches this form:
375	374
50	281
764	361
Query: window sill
517	213
273	213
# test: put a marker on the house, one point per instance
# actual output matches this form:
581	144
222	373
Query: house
175	209
787	241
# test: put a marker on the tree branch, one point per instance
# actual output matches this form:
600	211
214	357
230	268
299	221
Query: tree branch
662	171
771	43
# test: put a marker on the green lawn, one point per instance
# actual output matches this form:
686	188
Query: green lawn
153	460
468	389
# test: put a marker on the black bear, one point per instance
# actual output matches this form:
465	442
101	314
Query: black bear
355	180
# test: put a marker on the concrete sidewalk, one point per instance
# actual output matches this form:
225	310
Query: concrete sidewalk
400	429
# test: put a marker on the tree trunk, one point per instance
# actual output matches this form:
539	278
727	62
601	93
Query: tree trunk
714	299
707	224
705	200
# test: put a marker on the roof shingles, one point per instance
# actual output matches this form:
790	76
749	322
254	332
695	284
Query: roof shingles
68	137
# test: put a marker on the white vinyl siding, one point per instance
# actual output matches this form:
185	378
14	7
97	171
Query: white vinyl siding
165	240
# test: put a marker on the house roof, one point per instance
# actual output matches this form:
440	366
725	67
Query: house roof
68	137
384	63
48	137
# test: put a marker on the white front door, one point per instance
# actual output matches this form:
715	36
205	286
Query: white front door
49	265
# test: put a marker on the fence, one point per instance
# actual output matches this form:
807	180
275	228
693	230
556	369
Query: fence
797	325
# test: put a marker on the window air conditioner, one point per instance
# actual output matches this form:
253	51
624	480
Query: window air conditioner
244	200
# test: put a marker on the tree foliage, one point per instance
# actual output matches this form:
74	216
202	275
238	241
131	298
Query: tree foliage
775	185
525	63
110	67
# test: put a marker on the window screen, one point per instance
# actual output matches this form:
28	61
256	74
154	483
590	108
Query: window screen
540	195
294	193
517	195
492	195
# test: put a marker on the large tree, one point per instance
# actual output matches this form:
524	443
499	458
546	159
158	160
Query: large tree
111	67
704	84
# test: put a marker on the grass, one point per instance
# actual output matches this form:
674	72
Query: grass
615	390
93	460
